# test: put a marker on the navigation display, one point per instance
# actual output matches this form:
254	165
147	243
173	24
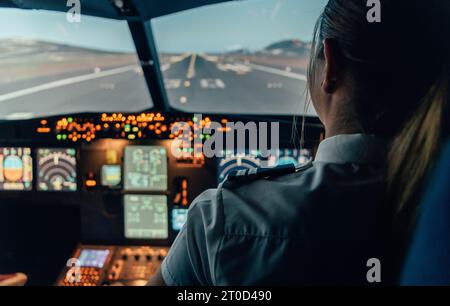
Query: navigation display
239	161
145	168
16	169
57	169
146	217
293	156
111	175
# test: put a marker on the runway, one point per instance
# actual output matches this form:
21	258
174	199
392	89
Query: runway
194	82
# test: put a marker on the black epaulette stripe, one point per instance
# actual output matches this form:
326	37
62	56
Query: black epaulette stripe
261	173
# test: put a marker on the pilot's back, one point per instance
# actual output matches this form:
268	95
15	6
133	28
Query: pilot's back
315	225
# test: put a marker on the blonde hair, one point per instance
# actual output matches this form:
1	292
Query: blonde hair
407	109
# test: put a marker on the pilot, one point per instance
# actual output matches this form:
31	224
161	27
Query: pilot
380	90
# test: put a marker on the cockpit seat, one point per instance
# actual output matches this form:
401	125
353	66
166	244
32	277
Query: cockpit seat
428	262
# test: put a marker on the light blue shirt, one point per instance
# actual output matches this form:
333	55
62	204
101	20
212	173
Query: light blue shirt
315	226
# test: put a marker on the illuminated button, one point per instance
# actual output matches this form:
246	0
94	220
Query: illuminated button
91	183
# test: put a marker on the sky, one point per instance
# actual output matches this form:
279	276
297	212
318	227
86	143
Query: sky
250	24
91	32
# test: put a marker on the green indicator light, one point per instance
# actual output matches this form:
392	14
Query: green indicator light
58	137
195	119
64	136
202	136
70	119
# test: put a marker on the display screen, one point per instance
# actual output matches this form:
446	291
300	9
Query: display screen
146	217
145	168
233	162
179	217
57	169
93	258
111	175
293	156
16	169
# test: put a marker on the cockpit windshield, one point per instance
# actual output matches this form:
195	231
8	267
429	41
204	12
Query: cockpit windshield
51	66
238	57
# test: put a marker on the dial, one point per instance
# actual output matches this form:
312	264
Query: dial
57	170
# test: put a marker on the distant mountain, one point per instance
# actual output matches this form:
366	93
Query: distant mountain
30	46
294	47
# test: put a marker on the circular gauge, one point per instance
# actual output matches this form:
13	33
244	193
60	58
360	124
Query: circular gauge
13	168
236	163
57	170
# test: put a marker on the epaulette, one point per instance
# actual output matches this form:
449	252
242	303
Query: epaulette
240	177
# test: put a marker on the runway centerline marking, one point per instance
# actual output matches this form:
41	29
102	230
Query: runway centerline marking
284	73
165	67
65	82
209	58
191	69
179	58
237	68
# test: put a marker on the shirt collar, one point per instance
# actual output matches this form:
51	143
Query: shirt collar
354	148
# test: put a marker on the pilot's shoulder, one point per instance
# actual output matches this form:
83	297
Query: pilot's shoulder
265	201
241	178
245	192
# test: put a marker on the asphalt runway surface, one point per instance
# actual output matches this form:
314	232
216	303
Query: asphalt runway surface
194	82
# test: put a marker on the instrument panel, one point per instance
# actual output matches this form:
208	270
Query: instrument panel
122	170
100	265
132	188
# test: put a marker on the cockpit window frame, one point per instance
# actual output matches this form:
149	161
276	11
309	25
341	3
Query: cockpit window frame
142	35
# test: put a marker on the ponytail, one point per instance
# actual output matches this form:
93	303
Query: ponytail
414	149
